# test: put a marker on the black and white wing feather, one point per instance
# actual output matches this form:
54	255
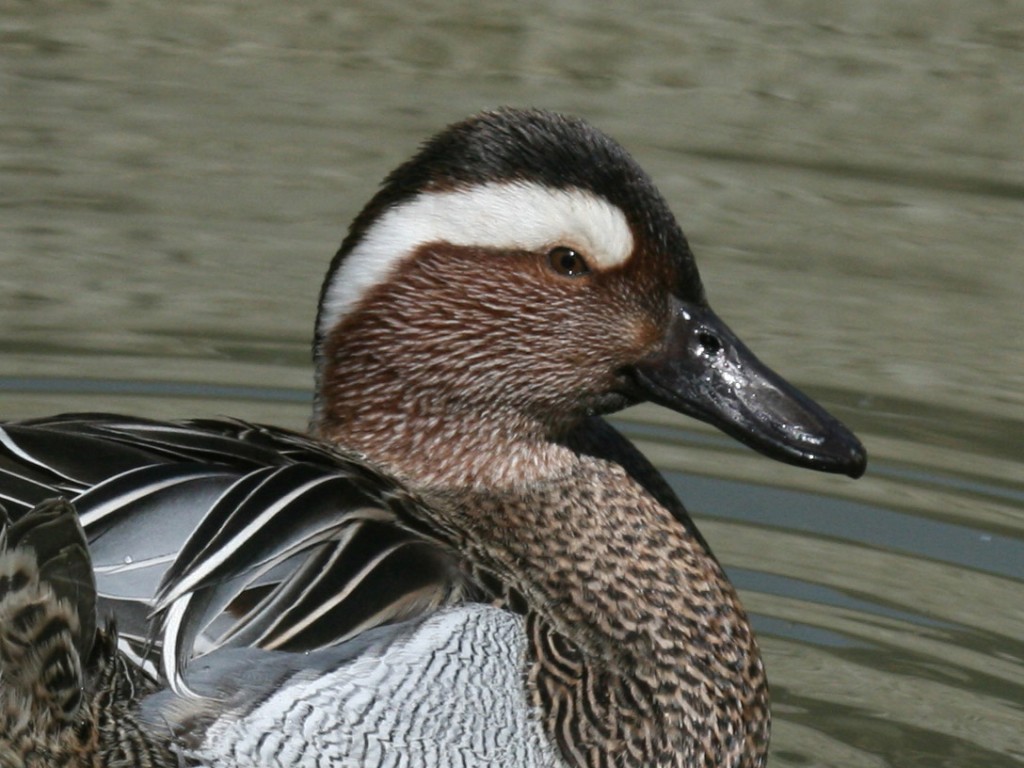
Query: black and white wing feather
234	534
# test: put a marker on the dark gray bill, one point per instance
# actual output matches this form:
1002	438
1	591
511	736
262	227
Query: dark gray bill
706	372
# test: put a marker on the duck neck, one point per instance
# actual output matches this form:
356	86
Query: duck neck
437	441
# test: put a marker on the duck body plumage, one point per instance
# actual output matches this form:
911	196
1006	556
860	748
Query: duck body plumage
340	548
464	564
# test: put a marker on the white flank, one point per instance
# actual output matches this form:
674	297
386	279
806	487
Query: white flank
517	215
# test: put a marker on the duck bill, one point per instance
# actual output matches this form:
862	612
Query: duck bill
705	371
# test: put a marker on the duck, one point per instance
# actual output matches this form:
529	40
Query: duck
461	561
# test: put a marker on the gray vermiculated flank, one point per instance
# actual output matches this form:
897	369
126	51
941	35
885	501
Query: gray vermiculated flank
448	693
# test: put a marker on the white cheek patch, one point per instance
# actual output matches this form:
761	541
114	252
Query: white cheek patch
517	215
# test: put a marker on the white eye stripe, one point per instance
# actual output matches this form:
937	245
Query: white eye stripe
517	215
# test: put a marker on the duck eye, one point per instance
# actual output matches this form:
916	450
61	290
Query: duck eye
566	261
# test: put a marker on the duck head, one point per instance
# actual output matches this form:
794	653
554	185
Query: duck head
520	273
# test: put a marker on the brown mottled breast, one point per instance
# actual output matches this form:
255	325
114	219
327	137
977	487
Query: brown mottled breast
641	653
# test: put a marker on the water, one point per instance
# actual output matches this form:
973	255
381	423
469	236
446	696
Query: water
173	181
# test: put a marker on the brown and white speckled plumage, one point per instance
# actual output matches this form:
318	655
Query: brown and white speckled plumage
640	651
66	696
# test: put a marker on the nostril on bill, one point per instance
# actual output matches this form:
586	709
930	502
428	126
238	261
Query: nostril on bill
709	342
